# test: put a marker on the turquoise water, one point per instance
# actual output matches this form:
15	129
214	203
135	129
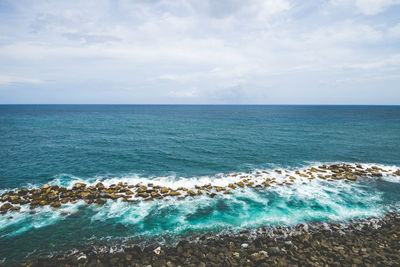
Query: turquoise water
186	145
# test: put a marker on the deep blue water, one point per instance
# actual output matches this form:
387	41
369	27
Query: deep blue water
64	143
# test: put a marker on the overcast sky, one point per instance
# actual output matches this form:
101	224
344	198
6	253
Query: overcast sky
200	51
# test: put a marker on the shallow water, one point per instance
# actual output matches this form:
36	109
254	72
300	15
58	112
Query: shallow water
182	146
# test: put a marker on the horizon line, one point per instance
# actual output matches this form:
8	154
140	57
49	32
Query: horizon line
152	104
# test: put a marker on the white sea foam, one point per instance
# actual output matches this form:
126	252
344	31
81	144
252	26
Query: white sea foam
246	207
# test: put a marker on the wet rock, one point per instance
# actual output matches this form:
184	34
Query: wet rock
259	256
82	258
241	184
79	186
113	196
174	193
55	204
141	189
5	207
45	187
144	195
191	193
164	190
5	197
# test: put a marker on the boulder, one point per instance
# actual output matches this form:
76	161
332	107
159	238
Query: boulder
142	188
79	186
236	255
164	190
5	197
6	207
274	250
232	186
142	195
259	256
241	184
113	196
191	193
45	187
55	204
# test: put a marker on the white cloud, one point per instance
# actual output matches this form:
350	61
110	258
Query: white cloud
205	51
7	80
373	7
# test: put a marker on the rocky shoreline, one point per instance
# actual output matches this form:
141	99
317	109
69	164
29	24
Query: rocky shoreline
365	242
55	196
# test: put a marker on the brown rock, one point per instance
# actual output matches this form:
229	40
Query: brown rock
241	184
164	190
6	207
79	186
55	204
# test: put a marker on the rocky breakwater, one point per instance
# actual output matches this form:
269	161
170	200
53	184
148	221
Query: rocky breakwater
368	242
55	196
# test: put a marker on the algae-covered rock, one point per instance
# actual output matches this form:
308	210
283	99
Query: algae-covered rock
191	193
241	184
55	204
79	186
164	190
6	207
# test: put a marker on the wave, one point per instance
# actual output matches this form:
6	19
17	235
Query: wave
305	200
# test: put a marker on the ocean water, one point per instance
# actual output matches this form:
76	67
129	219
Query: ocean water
179	145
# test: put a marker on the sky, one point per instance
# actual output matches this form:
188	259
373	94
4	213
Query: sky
200	52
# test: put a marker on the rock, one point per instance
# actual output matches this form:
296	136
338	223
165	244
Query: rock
141	189
79	186
128	257
128	192
274	250
14	199
174	193
164	190
201	264
157	250
55	204
170	264
241	184
191	193
144	195
113	196
5	197
45	187
232	186
236	255
82	258
15	208
288	243
154	194
259	256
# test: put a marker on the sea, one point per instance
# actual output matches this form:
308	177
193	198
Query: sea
186	145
